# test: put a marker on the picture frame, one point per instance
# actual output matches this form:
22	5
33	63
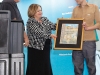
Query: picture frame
69	34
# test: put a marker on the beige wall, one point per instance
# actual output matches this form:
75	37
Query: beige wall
97	2
98	43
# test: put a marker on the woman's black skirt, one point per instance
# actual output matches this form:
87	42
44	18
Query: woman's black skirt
39	60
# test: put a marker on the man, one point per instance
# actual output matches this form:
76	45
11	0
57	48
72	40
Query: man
89	12
15	13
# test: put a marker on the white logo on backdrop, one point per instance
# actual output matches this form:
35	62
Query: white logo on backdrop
67	13
67	54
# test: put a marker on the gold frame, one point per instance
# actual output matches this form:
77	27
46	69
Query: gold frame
62	46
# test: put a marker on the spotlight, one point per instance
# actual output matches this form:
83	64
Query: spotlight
1	0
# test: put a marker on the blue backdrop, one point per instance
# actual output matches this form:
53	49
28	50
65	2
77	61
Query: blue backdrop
61	60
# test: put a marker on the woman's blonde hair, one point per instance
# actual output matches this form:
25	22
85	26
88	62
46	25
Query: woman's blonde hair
33	9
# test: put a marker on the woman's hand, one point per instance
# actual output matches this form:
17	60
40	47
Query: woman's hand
53	36
26	42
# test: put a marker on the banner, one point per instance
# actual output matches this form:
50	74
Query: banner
61	60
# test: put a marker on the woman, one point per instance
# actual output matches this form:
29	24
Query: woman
39	34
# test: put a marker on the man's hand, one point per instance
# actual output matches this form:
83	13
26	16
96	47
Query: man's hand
88	28
85	26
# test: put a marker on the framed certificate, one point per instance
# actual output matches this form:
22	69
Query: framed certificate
69	34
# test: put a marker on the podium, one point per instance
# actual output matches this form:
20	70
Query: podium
5	21
11	34
16	36
5	64
11	45
12	64
17	64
